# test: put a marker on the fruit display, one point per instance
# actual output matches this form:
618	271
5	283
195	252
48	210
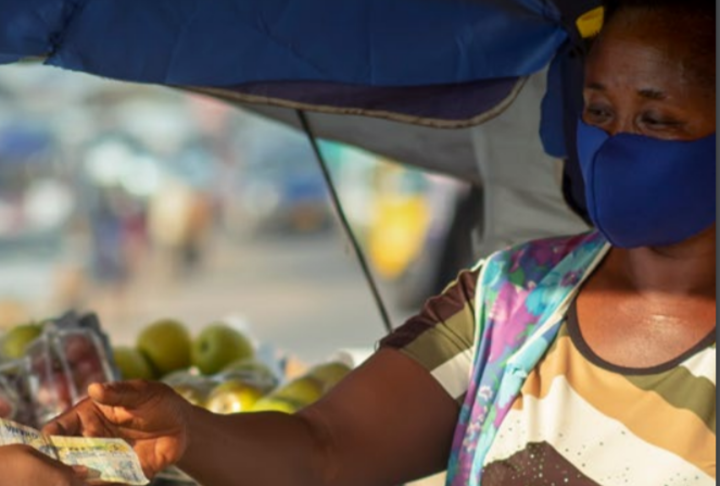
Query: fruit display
219	369
166	344
132	364
217	346
292	396
45	368
233	396
14	343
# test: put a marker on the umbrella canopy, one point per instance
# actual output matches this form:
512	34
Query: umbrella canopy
397	70
441	63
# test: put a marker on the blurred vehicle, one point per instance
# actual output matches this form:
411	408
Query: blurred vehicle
402	218
421	234
448	245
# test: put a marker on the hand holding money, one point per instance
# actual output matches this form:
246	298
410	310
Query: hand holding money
149	416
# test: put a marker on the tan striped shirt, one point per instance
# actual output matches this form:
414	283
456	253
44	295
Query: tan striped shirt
441	337
579	420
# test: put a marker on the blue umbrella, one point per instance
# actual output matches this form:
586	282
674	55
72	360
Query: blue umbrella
424	64
444	63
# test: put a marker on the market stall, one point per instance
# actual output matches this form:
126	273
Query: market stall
45	367
447	86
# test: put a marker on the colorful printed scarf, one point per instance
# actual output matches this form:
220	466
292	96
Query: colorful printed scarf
522	297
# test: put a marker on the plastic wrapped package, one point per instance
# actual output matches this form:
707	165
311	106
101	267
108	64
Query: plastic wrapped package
56	370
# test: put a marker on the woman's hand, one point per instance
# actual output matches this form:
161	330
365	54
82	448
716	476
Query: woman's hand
23	465
150	416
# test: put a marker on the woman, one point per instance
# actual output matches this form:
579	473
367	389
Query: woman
565	361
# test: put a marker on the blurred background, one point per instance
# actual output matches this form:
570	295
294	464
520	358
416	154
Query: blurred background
141	203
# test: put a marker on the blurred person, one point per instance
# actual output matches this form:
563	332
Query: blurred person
109	262
179	219
111	257
200	222
585	360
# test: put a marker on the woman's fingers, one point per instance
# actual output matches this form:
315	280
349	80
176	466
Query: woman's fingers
109	405
125	394
68	423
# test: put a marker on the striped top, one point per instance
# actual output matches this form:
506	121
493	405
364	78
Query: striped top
579	420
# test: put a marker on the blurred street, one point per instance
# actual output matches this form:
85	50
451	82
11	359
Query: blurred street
303	293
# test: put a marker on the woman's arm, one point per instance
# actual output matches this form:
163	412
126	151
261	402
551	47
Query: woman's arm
388	422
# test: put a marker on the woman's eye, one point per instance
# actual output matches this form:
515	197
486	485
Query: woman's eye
597	113
659	122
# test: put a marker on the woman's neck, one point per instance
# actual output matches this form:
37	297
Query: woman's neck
687	268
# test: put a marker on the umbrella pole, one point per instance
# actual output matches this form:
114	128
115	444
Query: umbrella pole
305	123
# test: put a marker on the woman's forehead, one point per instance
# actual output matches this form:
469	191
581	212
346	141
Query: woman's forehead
629	58
643	46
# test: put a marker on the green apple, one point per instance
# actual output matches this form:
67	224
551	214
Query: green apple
166	345
251	366
233	397
219	345
132	364
330	374
15	342
291	397
274	404
302	391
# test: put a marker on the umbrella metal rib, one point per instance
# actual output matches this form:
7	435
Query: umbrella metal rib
305	123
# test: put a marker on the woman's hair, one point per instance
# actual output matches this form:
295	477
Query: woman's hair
703	8
690	21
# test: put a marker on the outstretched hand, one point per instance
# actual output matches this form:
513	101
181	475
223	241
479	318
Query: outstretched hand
150	416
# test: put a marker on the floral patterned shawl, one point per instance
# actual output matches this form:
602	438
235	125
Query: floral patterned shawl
522	298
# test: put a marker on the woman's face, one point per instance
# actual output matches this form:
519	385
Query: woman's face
641	78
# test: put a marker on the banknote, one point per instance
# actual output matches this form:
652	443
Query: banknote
12	433
108	460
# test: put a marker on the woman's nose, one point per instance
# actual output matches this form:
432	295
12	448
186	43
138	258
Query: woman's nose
621	125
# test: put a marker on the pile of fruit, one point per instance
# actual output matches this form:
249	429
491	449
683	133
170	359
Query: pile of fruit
45	368
219	370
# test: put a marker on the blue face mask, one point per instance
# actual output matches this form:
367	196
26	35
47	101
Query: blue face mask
643	191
